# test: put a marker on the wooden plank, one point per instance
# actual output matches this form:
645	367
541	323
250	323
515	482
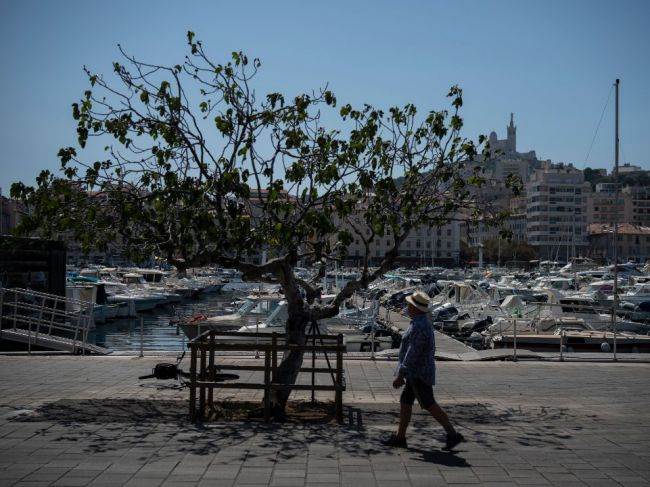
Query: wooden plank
260	368
244	347
272	386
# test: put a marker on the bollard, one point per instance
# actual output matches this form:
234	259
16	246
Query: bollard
514	340
615	327
141	337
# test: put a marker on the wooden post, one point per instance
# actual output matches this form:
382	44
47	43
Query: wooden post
202	377
267	382
313	360
192	382
274	352
338	395
211	369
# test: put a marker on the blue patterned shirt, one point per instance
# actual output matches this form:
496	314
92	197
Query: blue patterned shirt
416	352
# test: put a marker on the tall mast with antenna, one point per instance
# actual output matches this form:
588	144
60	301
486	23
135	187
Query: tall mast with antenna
616	191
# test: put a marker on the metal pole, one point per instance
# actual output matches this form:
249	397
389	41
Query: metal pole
616	145
514	339
561	344
141	336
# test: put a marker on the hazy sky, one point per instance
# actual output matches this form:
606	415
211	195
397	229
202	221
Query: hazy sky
551	62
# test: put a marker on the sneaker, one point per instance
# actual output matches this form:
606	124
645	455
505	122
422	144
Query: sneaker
453	439
395	442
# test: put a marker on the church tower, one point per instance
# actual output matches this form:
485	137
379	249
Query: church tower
511	142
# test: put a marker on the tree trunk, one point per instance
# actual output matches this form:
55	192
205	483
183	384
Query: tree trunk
289	367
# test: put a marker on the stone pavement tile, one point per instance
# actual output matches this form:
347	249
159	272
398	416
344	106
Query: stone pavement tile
362	482
555	477
616	473
46	474
73	481
600	482
556	469
215	483
437	481
110	479
144	482
221	472
389	483
287	473
461	480
591	474
323	468
386	475
354	460
322	478
532	481
157	471
121	468
287	482
631	481
495	478
184	477
178	483
360	471
359	474
254	476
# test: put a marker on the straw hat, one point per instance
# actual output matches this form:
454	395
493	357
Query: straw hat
419	300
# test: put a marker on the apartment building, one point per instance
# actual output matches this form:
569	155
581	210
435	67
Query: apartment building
555	211
602	208
633	242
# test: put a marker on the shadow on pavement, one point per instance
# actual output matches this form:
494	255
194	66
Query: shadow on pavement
102	425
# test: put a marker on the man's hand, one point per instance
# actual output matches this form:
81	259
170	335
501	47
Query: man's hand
398	382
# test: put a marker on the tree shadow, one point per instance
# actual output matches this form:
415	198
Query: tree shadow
163	426
540	426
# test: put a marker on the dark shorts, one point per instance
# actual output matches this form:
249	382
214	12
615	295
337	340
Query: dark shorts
417	389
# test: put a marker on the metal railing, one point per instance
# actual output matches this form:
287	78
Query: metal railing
38	318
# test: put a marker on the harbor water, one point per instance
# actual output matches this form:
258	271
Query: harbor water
157	329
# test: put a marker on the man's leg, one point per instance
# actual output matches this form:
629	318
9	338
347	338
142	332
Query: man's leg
405	411
442	418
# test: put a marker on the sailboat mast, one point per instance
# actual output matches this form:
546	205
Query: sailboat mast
616	190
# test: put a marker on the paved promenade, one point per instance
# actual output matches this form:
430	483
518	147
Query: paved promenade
76	421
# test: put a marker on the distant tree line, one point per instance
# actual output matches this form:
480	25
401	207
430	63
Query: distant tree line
635	178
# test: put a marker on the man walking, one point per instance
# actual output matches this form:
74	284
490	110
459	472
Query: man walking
417	373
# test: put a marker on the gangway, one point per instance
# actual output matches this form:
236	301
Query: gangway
46	320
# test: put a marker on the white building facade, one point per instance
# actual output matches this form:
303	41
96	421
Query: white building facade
556	212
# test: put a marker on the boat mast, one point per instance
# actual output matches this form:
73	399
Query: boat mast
616	190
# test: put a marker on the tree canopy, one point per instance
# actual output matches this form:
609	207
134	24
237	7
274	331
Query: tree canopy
200	169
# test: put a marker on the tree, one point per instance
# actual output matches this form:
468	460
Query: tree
505	250
201	170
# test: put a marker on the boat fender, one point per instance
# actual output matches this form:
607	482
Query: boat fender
199	317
